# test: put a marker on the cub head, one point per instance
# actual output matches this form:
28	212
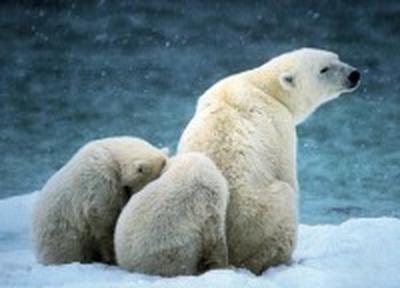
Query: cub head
310	77
138	163
139	172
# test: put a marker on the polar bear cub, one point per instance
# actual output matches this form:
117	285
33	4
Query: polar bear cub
176	224
76	212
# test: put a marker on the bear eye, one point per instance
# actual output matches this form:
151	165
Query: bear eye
324	70
141	168
289	79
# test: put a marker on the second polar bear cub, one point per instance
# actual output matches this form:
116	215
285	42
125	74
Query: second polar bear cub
176	224
77	209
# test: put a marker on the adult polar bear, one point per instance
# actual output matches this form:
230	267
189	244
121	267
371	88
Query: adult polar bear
246	124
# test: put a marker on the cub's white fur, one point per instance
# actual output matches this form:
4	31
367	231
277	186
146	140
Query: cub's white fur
176	224
77	209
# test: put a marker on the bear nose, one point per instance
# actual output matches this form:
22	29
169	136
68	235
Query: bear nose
354	77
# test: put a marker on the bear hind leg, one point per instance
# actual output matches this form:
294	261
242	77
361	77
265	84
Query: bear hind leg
214	246
277	240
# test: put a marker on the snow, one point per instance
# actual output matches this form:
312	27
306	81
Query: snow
357	253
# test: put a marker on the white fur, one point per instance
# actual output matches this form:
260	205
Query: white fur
75	215
246	124
176	224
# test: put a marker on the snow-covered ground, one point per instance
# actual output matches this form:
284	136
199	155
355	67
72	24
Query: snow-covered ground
357	253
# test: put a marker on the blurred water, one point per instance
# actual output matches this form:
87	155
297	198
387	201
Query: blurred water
72	71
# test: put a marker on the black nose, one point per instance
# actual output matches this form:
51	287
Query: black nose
354	77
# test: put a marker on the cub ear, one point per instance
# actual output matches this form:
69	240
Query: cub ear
166	151
287	81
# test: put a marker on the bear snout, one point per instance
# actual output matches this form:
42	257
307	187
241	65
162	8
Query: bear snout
354	78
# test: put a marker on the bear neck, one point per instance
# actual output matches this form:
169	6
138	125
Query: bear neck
114	161
265	78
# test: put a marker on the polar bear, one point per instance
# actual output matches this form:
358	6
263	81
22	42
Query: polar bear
246	124
176	224
77	209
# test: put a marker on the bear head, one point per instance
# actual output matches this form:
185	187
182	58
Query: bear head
309	77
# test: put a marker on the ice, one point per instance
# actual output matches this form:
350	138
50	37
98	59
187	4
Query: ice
358	253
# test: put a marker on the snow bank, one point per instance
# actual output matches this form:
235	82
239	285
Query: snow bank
358	253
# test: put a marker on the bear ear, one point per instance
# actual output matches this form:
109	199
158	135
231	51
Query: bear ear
287	81
166	151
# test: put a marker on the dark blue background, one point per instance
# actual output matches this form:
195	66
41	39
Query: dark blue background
72	71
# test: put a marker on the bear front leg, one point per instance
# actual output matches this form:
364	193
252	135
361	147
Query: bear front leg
106	247
103	248
102	235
